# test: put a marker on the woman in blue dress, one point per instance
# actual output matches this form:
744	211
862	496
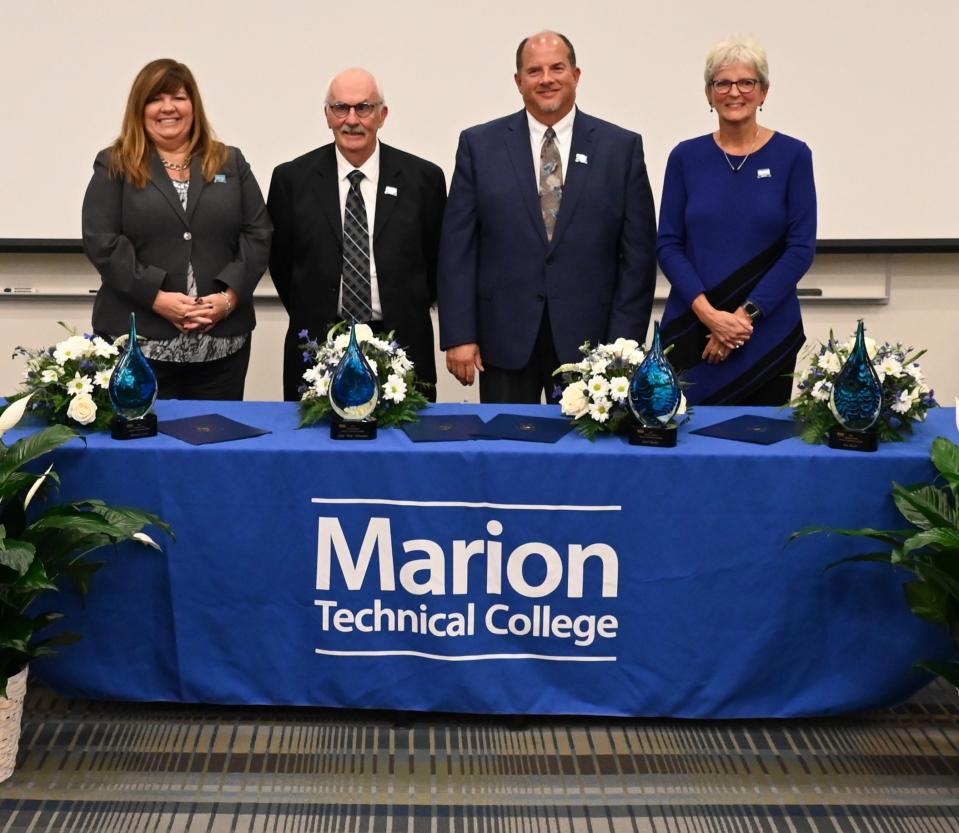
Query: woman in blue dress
737	231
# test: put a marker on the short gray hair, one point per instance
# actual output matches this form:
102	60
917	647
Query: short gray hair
738	49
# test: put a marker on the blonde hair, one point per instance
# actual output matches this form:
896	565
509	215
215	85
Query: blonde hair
738	49
130	153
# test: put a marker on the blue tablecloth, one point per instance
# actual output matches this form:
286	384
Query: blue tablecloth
496	576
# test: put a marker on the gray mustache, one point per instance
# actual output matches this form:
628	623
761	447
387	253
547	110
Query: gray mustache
353	129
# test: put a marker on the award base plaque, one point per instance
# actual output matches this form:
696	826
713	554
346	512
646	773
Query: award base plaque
654	437
849	440
133	429
345	429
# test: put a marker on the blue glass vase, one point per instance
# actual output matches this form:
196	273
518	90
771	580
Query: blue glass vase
133	384
654	394
354	388
856	398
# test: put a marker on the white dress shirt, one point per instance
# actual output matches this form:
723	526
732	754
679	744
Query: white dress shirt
371	175
564	139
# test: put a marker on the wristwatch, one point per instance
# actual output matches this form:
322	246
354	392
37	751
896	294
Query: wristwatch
754	312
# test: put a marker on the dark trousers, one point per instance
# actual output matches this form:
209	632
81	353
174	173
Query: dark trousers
222	379
527	385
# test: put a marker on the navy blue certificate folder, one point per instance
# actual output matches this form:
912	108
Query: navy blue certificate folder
750	428
209	428
435	429
526	428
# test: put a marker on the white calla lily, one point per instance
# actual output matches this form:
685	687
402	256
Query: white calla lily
36	487
12	414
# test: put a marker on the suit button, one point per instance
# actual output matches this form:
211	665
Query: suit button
187	235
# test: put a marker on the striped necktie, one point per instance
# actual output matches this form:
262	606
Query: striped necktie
357	305
550	181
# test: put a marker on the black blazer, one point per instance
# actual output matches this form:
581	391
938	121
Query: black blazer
141	241
307	255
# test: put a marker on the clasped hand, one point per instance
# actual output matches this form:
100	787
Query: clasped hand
727	332
189	314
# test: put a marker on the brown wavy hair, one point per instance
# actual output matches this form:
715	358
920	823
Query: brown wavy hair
130	153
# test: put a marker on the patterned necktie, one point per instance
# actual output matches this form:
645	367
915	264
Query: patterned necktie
357	305
550	181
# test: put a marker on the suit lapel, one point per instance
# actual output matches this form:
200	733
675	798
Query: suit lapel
328	190
389	189
574	178
160	180
521	157
196	187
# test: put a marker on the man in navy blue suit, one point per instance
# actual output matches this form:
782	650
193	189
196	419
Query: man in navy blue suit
549	235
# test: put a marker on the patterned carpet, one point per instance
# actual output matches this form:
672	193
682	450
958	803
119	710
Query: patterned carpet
159	768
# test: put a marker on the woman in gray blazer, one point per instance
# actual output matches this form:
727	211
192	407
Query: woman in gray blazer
175	223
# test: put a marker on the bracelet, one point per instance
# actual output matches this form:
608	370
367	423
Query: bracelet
229	305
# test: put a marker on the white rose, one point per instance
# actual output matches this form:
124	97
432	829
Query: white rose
50	375
82	409
871	346
363	333
637	357
622	347
574	402
341	342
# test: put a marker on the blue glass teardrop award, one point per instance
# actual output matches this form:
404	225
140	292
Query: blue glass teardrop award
856	400
133	390
354	393
654	398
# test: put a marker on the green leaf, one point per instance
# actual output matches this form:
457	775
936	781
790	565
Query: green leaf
925	506
945	457
36	445
893	537
948	671
17	555
938	539
928	601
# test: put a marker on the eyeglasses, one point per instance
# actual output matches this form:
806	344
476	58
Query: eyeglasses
362	110
744	85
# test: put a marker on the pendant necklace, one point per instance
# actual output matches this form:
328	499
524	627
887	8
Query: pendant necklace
736	168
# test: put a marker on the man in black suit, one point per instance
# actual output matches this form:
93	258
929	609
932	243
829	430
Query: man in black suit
385	276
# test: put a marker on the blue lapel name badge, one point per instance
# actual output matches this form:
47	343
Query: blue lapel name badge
581	158
764	173
390	191
219	178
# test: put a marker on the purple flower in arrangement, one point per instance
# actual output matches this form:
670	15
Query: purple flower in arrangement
89	336
307	357
303	334
87	366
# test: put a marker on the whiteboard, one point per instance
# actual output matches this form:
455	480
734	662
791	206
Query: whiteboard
870	86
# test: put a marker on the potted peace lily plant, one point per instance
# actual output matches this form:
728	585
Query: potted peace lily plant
43	545
928	548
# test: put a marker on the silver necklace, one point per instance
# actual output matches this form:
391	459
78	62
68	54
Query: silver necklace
736	168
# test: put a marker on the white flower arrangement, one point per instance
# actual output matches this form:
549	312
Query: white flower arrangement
596	388
69	382
906	397
402	394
